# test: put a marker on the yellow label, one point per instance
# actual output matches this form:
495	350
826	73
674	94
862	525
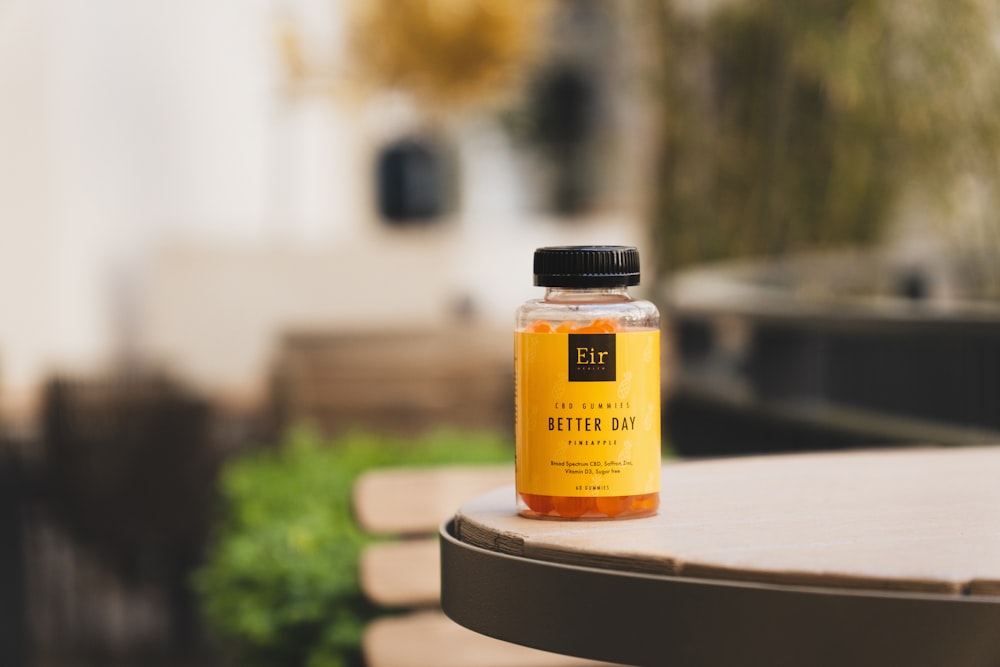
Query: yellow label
587	413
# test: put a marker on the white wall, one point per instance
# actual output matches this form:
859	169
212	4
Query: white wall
120	123
27	179
157	186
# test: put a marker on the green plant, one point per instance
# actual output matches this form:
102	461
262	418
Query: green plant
280	583
799	125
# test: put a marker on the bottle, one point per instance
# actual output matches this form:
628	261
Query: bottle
587	389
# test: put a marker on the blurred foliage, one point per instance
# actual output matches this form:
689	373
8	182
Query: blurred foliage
446	52
280	583
798	125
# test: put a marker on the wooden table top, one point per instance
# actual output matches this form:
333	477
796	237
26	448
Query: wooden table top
914	519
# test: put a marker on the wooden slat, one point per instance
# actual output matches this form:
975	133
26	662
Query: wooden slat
406	572
402	574
431	639
410	501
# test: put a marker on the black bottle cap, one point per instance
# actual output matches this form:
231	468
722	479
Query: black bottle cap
587	266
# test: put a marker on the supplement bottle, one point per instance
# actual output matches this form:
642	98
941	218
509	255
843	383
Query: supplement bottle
587	389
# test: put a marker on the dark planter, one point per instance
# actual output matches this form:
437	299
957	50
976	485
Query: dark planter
414	181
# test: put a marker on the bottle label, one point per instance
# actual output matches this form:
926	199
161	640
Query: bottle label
587	413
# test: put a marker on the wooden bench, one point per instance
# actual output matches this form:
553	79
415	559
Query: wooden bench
403	381
403	574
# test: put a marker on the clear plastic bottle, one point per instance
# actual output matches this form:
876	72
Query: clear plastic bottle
587	378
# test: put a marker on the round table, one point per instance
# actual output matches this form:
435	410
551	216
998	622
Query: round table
858	558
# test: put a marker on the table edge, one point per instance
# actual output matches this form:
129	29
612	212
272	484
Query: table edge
630	617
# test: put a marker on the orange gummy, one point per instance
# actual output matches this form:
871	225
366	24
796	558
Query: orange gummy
539	326
613	505
600	325
571	507
646	503
605	325
538	503
574	507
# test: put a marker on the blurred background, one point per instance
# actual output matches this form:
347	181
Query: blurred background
237	238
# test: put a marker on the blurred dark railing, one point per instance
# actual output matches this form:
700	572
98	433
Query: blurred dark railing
14	492
782	357
102	526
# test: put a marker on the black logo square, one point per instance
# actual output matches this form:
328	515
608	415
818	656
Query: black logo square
592	357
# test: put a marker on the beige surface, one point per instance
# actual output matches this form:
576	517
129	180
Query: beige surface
915	519
416	500
430	639
402	574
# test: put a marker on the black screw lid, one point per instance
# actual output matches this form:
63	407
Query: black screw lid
587	266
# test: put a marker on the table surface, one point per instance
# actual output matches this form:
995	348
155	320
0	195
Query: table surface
918	528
